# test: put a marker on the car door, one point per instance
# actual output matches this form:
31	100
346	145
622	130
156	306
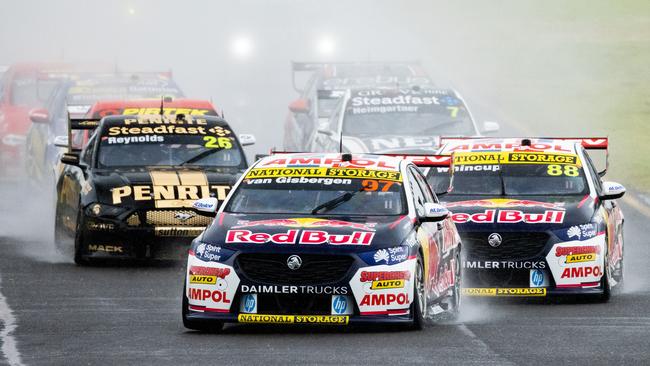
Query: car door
427	233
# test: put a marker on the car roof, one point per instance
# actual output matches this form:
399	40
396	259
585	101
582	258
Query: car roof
330	160
549	145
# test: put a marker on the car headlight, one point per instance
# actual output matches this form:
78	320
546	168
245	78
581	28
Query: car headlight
101	210
392	255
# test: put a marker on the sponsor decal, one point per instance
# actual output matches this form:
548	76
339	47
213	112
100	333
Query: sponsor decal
354	173
171	189
391	255
202	279
506	203
577	258
341	305
219	272
100	226
248	304
309	237
208	252
293	319
504	265
308	222
383	299
510	217
513	146
216	296
584	231
514	158
165	111
318	161
384	284
582	272
577	262
384	289
166	125
368	276
178	231
578	249
106	248
537	278
301	180
525	291
294	289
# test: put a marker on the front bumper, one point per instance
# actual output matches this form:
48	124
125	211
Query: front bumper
559	268
222	291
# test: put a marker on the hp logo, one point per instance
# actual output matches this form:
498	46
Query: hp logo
340	305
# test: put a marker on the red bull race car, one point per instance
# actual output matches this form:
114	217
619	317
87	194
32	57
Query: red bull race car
534	216
324	239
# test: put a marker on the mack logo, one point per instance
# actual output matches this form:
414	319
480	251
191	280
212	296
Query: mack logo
171	189
106	248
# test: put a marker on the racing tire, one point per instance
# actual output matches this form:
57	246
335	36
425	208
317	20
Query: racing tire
79	259
201	326
605	283
456	297
419	306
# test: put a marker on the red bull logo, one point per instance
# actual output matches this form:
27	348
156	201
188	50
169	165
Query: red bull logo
506	203
305	222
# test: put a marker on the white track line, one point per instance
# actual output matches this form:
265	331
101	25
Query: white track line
9	349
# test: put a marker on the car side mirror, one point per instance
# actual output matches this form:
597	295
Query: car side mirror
491	127
206	206
39	115
61	141
300	106
612	191
70	159
434	212
246	139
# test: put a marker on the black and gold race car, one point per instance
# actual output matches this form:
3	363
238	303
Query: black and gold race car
128	193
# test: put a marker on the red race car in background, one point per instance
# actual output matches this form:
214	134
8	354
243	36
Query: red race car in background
24	86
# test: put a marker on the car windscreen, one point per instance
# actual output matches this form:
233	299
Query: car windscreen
164	144
512	174
89	91
314	191
406	112
32	92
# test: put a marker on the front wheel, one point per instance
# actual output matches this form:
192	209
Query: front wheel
212	326
419	306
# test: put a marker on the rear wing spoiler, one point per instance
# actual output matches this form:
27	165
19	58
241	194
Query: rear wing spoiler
588	143
299	66
420	160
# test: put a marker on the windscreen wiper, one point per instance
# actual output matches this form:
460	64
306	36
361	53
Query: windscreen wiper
200	156
503	183
333	203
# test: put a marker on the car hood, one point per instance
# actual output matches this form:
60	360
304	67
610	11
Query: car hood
529	213
161	187
334	234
